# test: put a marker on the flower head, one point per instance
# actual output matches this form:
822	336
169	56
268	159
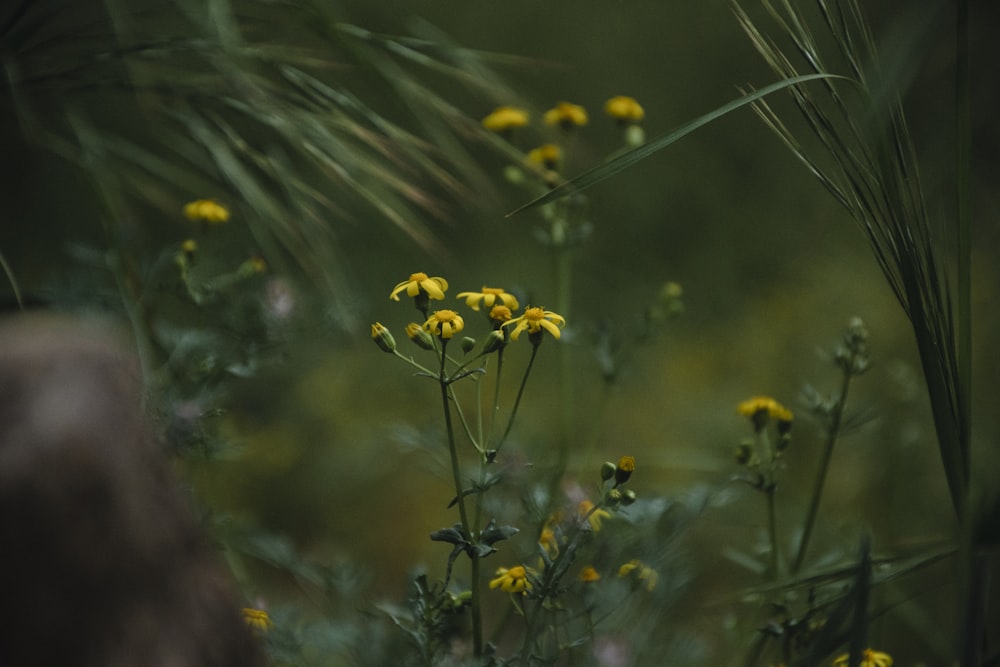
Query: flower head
566	115
624	469
589	575
869	658
444	323
257	619
640	573
547	155
503	119
624	109
419	283
512	580
500	315
383	338
593	516
206	210
549	542
488	297
534	320
763	407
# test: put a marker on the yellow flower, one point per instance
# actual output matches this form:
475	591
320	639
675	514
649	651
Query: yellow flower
206	210
547	155
534	320
512	580
488	297
594	517
189	247
506	118
640	572
500	315
624	108
419	283
757	404
869	658
444	323
257	619
624	469
549	542
566	115
589	575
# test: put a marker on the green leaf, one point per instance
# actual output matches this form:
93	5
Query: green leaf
625	160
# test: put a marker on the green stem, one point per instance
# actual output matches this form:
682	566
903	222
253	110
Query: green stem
520	393
477	624
772	530
831	438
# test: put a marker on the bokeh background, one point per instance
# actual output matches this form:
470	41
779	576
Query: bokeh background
330	443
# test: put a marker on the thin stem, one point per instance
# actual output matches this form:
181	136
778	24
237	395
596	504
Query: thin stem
772	529
831	438
477	622
520	393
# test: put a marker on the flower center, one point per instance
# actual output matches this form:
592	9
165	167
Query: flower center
534	314
417	277
500	313
445	315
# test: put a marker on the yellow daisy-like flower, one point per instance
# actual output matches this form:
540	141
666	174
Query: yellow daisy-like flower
547	155
206	210
444	323
503	119
589	575
640	572
500	315
534	320
421	282
257	619
624	108
566	115
488	297
549	542
594	517
512	580
869	658
757	404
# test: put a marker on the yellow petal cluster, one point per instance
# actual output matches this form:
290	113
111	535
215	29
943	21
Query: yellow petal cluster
547	155
420	282
641	573
257	619
206	210
566	115
774	410
503	119
594	516
512	580
487	297
624	108
869	658
444	323
534	320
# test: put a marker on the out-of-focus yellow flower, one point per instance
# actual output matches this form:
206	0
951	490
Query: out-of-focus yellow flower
624	108
420	282
589	575
503	119
757	404
594	516
512	580
549	542
488	297
206	210
444	323
500	315
869	658
534	320
640	572
624	469
257	619
566	115
189	247
547	155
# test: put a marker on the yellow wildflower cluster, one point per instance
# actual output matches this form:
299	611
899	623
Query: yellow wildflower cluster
513	580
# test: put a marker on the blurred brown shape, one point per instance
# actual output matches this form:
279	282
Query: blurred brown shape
101	561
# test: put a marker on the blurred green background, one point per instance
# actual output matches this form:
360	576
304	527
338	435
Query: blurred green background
332	439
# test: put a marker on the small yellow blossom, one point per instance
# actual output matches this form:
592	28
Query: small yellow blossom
594	516
206	210
640	572
566	115
419	283
548	541
534	320
512	580
500	315
487	297
589	575
869	658
757	404
624	469
547	155
624	108
257	619
189	247
503	119
444	323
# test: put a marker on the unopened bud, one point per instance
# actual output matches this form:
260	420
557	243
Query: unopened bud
628	497
494	341
468	343
383	338
625	468
607	470
419	336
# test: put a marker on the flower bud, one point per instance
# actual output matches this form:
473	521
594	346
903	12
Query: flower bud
628	497
468	343
383	338
607	470
494	341
624	470
419	336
